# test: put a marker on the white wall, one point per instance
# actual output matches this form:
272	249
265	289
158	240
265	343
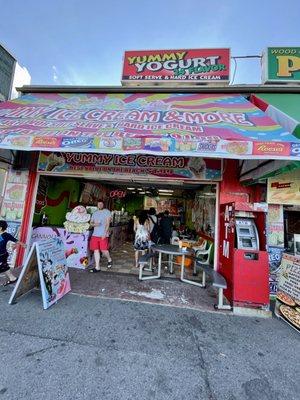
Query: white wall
21	77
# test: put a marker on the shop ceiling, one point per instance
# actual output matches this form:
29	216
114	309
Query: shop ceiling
152	184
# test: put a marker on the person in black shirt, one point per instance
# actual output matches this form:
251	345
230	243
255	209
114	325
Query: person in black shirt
166	228
4	239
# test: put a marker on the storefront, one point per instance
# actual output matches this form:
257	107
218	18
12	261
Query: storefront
69	180
171	150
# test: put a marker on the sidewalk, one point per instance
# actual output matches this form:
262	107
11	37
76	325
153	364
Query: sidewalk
172	292
95	348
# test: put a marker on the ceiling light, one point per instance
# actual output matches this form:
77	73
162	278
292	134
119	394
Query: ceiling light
130	188
166	190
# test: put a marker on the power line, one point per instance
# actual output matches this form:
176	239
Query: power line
254	56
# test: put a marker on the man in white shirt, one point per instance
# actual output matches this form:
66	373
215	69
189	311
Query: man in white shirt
100	221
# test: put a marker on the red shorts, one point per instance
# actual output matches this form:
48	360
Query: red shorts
99	243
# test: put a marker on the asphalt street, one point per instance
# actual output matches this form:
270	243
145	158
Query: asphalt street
93	348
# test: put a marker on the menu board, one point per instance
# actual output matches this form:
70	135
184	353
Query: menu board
288	294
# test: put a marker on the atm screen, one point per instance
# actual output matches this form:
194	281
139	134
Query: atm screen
244	231
247	243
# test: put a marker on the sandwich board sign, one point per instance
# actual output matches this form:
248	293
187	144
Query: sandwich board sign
45	267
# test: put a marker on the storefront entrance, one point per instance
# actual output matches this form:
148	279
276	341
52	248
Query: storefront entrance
191	208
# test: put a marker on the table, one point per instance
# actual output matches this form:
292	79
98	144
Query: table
174	250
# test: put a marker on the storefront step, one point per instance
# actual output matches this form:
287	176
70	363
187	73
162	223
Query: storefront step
251	312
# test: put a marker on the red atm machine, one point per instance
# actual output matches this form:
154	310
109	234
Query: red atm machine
243	259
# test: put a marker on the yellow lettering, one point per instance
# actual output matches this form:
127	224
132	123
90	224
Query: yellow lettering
181	55
287	65
167	57
131	60
141	60
153	57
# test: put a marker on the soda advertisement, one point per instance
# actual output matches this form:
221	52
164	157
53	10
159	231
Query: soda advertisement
205	65
176	124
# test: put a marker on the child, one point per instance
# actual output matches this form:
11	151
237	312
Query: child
4	267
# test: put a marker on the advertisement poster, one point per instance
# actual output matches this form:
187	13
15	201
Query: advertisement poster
275	243
284	189
45	266
54	276
288	294
14	196
176	124
206	65
76	245
171	167
275	255
203	214
275	228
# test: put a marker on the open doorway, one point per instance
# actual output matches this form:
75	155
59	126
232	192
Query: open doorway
192	206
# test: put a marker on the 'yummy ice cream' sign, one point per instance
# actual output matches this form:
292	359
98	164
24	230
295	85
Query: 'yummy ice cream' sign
172	167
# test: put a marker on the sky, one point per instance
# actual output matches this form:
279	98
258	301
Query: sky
82	42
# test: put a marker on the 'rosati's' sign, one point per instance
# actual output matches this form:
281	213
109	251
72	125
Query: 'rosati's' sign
185	66
281	64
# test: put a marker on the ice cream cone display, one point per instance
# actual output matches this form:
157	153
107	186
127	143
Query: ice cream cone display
77	221
54	161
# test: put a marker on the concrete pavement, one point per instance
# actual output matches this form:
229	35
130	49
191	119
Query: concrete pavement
93	348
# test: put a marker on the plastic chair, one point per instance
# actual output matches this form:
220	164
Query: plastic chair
203	256
175	240
201	247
